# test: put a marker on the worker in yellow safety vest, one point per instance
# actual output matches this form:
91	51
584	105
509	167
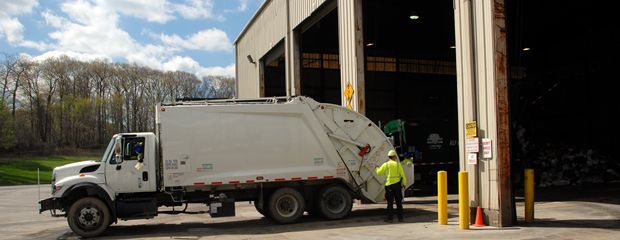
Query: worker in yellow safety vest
394	184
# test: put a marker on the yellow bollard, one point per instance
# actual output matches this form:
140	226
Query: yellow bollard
529	195
463	201
442	197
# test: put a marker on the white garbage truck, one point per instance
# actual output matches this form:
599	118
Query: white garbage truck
287	155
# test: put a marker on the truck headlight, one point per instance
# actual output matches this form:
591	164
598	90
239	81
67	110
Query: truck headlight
53	182
55	188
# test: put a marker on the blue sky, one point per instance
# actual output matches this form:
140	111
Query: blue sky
190	35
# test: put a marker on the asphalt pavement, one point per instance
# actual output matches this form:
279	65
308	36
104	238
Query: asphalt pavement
582	217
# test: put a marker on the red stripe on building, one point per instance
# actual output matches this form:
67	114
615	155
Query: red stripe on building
313	178
249	181
199	183
233	182
296	178
279	179
328	177
216	183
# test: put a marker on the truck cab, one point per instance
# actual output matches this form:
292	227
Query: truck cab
127	166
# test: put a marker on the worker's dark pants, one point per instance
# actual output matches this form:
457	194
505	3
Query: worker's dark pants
393	192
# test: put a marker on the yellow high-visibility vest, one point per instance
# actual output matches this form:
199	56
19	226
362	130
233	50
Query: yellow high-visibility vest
393	172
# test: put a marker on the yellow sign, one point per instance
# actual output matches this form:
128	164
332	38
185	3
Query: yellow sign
471	129
348	95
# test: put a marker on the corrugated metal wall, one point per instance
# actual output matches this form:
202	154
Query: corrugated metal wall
300	10
267	29
351	52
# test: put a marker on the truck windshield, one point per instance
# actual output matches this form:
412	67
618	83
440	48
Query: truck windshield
106	154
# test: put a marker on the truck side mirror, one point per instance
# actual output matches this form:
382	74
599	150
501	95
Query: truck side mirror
117	151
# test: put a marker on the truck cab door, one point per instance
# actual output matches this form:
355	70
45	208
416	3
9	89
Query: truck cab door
128	167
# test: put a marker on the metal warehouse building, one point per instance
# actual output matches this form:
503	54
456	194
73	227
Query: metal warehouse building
435	66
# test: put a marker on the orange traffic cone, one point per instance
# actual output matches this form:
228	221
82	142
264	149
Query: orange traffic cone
479	222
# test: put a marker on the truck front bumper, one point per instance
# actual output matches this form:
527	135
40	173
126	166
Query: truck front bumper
51	204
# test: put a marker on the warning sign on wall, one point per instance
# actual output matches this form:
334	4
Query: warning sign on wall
472	145
348	95
471	129
472	158
487	150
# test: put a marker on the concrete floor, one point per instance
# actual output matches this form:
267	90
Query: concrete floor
582	216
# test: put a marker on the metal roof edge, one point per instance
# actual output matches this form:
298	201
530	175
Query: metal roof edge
247	26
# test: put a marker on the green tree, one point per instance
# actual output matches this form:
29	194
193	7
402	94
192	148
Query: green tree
7	128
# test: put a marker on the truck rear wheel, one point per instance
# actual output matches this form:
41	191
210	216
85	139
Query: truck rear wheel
88	217
286	205
334	202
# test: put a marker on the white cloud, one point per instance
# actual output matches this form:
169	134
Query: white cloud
162	11
75	55
197	9
12	28
89	29
218	71
151	55
243	5
190	65
151	10
17	7
209	40
41	46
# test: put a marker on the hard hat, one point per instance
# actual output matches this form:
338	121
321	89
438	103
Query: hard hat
392	153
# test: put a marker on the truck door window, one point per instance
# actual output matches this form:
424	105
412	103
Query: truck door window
133	148
112	158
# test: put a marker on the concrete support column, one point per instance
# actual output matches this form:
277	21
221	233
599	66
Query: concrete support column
351	50
295	66
293	60
482	87
288	62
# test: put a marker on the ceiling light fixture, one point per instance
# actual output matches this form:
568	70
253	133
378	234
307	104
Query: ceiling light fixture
414	16
370	44
526	49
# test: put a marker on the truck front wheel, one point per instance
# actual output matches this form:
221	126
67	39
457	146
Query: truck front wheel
334	202
88	217
286	205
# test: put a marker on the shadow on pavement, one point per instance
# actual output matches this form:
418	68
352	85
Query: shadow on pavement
601	193
610	224
358	218
425	201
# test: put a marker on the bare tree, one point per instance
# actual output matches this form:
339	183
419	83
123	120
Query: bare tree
62	102
220	86
6	70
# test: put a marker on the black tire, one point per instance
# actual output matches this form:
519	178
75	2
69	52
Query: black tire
88	217
286	205
334	202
